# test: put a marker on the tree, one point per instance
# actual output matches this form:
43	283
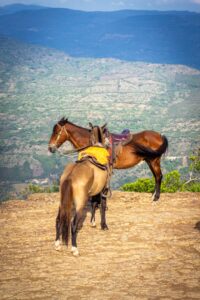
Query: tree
194	168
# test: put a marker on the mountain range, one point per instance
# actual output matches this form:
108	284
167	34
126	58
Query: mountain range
149	36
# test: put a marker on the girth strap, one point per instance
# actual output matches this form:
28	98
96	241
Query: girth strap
93	161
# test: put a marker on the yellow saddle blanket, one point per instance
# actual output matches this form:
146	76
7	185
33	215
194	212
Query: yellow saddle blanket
99	153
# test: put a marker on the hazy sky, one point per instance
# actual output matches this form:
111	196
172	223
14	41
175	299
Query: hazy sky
90	5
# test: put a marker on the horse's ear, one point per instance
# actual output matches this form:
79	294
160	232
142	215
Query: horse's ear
104	127
91	126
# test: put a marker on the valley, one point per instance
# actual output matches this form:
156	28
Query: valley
39	85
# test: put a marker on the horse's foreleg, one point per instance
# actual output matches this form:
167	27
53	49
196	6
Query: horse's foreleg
103	210
154	166
58	233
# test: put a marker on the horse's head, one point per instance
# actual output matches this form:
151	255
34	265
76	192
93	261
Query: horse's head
58	136
97	134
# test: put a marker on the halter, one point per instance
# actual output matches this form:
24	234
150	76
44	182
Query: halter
60	132
62	128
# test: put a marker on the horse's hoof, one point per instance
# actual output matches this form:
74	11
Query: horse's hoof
155	197
75	251
104	227
93	224
57	245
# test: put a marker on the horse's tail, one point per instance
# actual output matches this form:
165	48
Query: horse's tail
65	209
149	153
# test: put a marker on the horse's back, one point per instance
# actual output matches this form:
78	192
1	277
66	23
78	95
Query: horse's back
99	179
85	178
148	138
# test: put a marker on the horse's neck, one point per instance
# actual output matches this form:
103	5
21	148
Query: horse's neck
78	136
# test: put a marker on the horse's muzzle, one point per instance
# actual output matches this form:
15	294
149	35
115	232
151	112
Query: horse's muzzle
52	148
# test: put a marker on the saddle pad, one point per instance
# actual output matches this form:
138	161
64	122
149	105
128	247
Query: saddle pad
99	153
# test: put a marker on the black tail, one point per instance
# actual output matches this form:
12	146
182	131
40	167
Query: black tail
149	153
65	209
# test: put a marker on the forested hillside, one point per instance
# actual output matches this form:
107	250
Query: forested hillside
152	36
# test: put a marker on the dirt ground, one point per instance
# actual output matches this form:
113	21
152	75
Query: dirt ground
151	250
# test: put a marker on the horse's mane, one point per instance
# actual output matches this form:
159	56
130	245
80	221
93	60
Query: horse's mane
64	121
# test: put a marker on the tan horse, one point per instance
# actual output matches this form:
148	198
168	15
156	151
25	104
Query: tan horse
78	182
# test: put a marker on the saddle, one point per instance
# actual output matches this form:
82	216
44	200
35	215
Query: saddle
123	138
117	141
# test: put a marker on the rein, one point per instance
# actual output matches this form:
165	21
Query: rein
72	151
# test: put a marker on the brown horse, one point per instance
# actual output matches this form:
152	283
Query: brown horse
146	146
78	182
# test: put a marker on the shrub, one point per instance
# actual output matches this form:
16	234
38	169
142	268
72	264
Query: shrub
191	187
140	185
33	188
171	184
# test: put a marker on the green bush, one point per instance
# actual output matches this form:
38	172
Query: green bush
140	185
171	183
54	188
33	188
191	187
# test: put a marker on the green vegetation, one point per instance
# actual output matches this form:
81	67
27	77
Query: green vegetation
172	181
35	188
195	162
171	184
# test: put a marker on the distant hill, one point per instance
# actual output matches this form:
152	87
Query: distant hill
13	8
40	85
149	36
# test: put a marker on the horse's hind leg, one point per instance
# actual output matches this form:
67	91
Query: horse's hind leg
94	204
74	231
155	168
58	233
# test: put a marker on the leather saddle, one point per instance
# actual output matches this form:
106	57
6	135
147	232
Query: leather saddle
123	137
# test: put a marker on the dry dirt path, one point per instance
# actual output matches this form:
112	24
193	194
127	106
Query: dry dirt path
151	251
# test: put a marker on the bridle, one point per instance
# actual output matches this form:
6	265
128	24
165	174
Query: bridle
62	128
